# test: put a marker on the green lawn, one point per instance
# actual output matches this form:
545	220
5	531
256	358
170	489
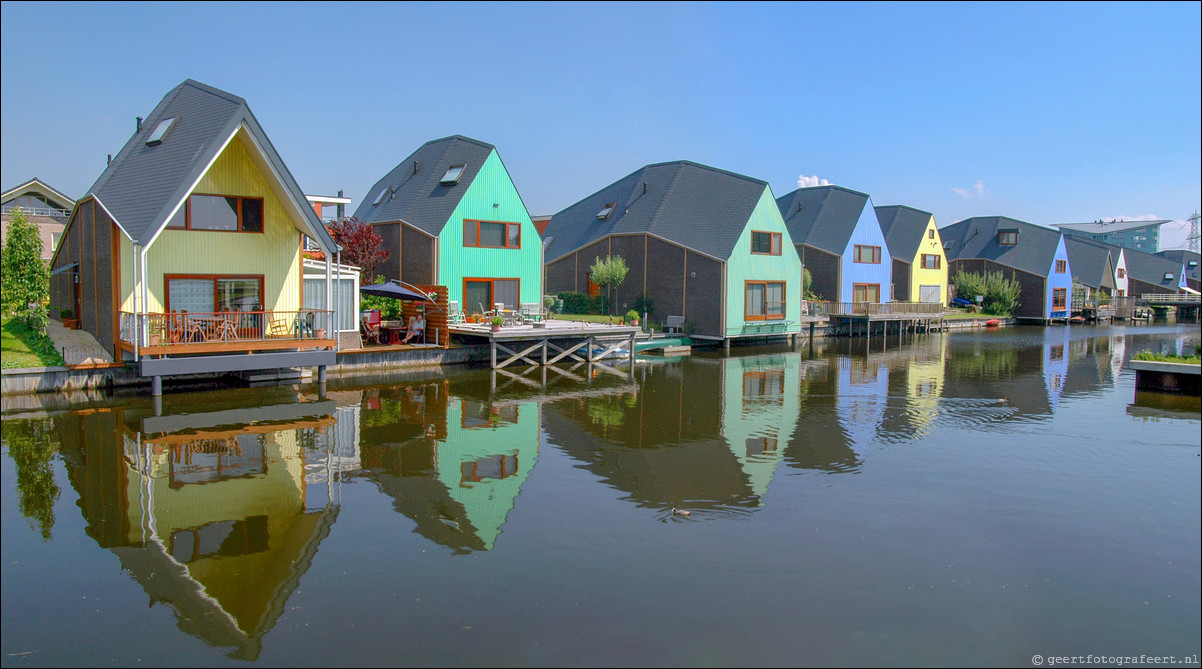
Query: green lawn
956	314
22	347
594	318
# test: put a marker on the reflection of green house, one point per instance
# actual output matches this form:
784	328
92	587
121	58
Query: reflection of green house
820	442
760	408
458	465
214	519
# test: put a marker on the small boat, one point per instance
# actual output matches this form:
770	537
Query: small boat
1077	319
993	323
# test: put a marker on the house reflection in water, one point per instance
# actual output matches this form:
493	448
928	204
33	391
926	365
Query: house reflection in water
702	434
451	462
215	514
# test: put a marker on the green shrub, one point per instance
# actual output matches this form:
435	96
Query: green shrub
1000	294
575	303
644	305
600	305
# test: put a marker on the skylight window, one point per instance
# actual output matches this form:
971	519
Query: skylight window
380	198
160	131
1168	276
452	175
606	210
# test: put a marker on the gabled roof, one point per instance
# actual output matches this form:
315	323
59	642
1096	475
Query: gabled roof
1152	268
978	238
417	197
905	229
1184	257
696	206
1088	260
823	216
145	184
41	187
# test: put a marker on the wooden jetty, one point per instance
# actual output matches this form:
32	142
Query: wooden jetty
551	341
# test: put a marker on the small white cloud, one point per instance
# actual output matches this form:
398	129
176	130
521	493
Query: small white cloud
977	190
808	182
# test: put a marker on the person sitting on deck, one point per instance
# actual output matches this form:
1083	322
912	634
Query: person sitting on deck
417	328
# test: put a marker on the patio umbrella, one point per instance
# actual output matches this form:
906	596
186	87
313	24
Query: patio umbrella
392	290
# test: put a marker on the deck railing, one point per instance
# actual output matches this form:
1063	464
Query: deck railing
179	328
885	308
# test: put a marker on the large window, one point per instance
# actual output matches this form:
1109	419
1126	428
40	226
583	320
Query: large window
492	234
868	254
765	243
765	300
206	294
220	212
1059	299
479	295
930	261
866	292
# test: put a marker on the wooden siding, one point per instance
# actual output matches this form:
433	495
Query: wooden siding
824	270
275	253
928	277
561	275
666	285
416	254
390	236
1059	280
491	197
867	233
703	294
88	241
901	280
632	248
743	266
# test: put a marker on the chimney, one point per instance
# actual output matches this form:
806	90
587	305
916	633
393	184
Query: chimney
139	124
341	206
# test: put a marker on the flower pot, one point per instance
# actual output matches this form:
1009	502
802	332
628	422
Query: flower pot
71	323
496	328
320	333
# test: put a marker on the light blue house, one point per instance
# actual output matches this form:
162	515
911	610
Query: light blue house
839	239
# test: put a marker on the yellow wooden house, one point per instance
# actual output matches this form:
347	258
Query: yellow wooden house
919	263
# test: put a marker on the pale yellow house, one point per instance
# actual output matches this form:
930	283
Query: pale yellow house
190	245
919	263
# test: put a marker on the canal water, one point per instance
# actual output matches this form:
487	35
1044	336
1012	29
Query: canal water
966	499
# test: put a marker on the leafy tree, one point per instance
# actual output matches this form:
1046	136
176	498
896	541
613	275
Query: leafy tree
25	284
609	273
360	245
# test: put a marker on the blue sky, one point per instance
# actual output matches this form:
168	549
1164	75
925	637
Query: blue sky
1050	113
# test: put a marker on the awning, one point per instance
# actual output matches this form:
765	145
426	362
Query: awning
65	268
1190	291
392	290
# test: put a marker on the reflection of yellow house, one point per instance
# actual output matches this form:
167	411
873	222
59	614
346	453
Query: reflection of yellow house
216	518
924	383
919	263
760	408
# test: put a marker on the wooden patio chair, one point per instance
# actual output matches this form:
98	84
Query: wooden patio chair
226	327
277	327
194	330
369	325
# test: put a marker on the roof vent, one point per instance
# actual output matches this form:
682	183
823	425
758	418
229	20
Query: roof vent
160	131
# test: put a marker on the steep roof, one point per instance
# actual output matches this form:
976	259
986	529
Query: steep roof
1152	268
699	207
1088	260
42	188
1184	257
412	191
904	228
146	183
822	216
1105	227
978	238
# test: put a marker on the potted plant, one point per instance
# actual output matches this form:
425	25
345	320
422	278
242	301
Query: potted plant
496	323
473	317
632	317
68	322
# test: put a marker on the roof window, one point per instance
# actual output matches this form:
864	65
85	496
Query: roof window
160	131
381	197
1168	276
452	175
606	210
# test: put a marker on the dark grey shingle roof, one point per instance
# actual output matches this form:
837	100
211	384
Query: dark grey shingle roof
904	228
823	216
418	198
1152	268
1089	260
144	183
699	207
1184	256
978	238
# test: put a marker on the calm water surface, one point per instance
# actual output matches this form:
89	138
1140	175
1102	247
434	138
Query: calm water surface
971	499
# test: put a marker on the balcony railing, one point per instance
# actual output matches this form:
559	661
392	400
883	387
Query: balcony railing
53	212
884	308
230	327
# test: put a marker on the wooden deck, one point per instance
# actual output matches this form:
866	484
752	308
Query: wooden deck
551	341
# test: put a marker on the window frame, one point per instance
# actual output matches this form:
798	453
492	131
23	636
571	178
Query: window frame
1061	266
876	254
215	277
492	291
240	230
1007	237
775	243
854	286
480	222
784	302
938	260
1059	299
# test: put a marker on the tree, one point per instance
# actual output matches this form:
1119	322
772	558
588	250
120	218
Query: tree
26	280
360	246
32	445
610	272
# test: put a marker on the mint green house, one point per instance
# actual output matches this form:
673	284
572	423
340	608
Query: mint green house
450	215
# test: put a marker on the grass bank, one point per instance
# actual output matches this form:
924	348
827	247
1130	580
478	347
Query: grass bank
22	347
